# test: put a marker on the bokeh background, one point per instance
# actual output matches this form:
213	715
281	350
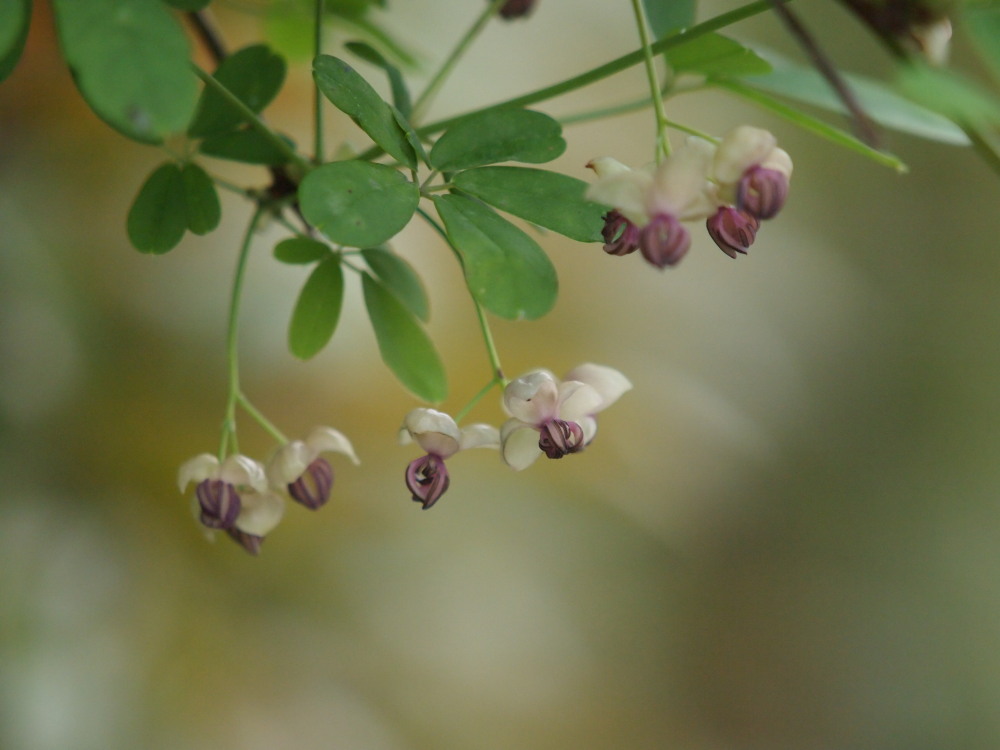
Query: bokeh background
786	536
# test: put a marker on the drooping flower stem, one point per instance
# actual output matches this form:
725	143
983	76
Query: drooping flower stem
655	95
317	94
424	100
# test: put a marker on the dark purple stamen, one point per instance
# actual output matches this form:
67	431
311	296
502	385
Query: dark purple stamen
220	503
312	489
762	192
559	437
664	241
250	542
621	236
427	479
733	230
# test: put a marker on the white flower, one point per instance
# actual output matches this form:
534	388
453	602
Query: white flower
437	433
298	468
553	417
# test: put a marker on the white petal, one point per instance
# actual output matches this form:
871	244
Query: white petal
533	397
260	512
589	426
679	183
198	469
780	161
289	463
242	471
605	166
741	148
435	431
626	191
480	436
607	381
329	440
519	444
577	400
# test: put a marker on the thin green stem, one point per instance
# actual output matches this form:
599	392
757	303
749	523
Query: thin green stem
260	419
625	108
255	122
464	411
317	94
424	100
655	96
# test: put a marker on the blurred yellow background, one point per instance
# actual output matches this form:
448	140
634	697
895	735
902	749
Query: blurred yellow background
786	536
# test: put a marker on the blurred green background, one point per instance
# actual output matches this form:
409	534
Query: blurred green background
786	536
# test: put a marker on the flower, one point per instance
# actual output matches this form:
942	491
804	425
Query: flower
732	229
437	433
751	172
298	468
556	417
233	496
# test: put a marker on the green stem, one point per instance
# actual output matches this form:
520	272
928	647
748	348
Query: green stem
424	100
317	94
259	417
255	122
655	97
464	411
625	108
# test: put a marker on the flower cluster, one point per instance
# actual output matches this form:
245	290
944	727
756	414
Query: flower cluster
547	415
733	186
245	499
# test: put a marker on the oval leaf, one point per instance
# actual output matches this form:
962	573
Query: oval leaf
400	278
201	201
15	16
158	217
716	55
400	93
254	75
548	199
669	15
354	96
317	309
507	272
300	250
357	203
130	61
497	135
405	347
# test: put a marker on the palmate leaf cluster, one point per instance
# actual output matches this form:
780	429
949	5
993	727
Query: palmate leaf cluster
131	60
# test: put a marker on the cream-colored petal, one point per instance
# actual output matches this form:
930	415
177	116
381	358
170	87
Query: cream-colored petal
198	469
780	161
577	400
260	512
289	463
434	431
479	436
533	397
625	191
741	148
589	426
329	440
242	471
679	184
607	381
519	444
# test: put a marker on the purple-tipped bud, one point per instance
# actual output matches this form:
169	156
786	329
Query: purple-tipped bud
664	241
733	230
312	489
621	236
560	437
250	542
220	503
762	192
516	8
427	479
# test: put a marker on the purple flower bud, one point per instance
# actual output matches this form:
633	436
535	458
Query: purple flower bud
664	241
733	230
219	502
621	236
250	542
427	479
762	192
516	8
560	437
312	488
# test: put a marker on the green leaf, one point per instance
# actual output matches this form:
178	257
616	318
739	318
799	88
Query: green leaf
300	250
201	200
982	21
254	75
405	347
354	96
506	271
666	16
188	4
715	55
882	104
15	16
158	217
949	93
548	199
357	203
130	61
400	93
246	145
400	278
496	135
317	309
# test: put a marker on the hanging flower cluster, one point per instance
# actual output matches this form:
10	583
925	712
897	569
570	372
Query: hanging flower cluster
245	499
547	415
733	186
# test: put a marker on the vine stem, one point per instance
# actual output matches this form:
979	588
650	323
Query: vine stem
317	94
655	95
